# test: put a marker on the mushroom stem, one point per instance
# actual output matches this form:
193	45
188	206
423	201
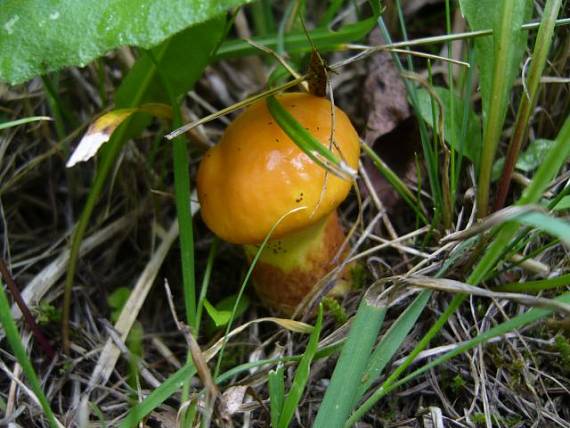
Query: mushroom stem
289	267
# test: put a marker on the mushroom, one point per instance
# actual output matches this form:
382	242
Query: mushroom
256	174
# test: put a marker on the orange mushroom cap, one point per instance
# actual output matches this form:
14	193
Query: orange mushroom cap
256	174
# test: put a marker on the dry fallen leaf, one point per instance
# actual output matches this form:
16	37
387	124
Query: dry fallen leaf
103	127
390	128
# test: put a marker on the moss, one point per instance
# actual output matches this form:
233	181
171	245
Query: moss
334	308
479	420
563	347
358	275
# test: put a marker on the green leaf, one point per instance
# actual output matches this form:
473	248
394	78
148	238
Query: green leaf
499	59
158	396
529	160
137	87
485	14
296	42
276	384
18	122
222	312
534	155
39	36
312	147
116	300
392	341
452	123
348	374
552	225
301	375
563	204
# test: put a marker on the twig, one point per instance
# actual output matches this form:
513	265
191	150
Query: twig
29	319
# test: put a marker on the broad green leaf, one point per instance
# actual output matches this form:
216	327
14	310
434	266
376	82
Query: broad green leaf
499	59
528	161
39	36
452	128
222	312
485	14
533	156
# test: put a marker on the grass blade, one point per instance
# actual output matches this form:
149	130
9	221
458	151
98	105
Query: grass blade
301	375
296	42
18	122
347	376
158	396
20	353
554	160
535	286
276	384
515	323
396	182
528	101
320	154
391	341
547	223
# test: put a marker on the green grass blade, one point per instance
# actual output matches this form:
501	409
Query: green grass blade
430	156
301	375
535	286
20	353
391	341
321	353
276	384
206	282
515	323
553	161
546	223
347	376
263	19
392	178
528	101
182	196
331	11
140	85
158	396
296	42
18	122
245	282
320	154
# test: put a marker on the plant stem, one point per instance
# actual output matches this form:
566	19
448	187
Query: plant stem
528	100
496	113
15	292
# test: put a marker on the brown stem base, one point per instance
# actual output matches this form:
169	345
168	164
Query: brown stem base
289	268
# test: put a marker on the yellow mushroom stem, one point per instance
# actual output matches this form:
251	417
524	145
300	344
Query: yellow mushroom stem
290	267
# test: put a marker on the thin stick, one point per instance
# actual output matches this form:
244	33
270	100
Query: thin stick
14	290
